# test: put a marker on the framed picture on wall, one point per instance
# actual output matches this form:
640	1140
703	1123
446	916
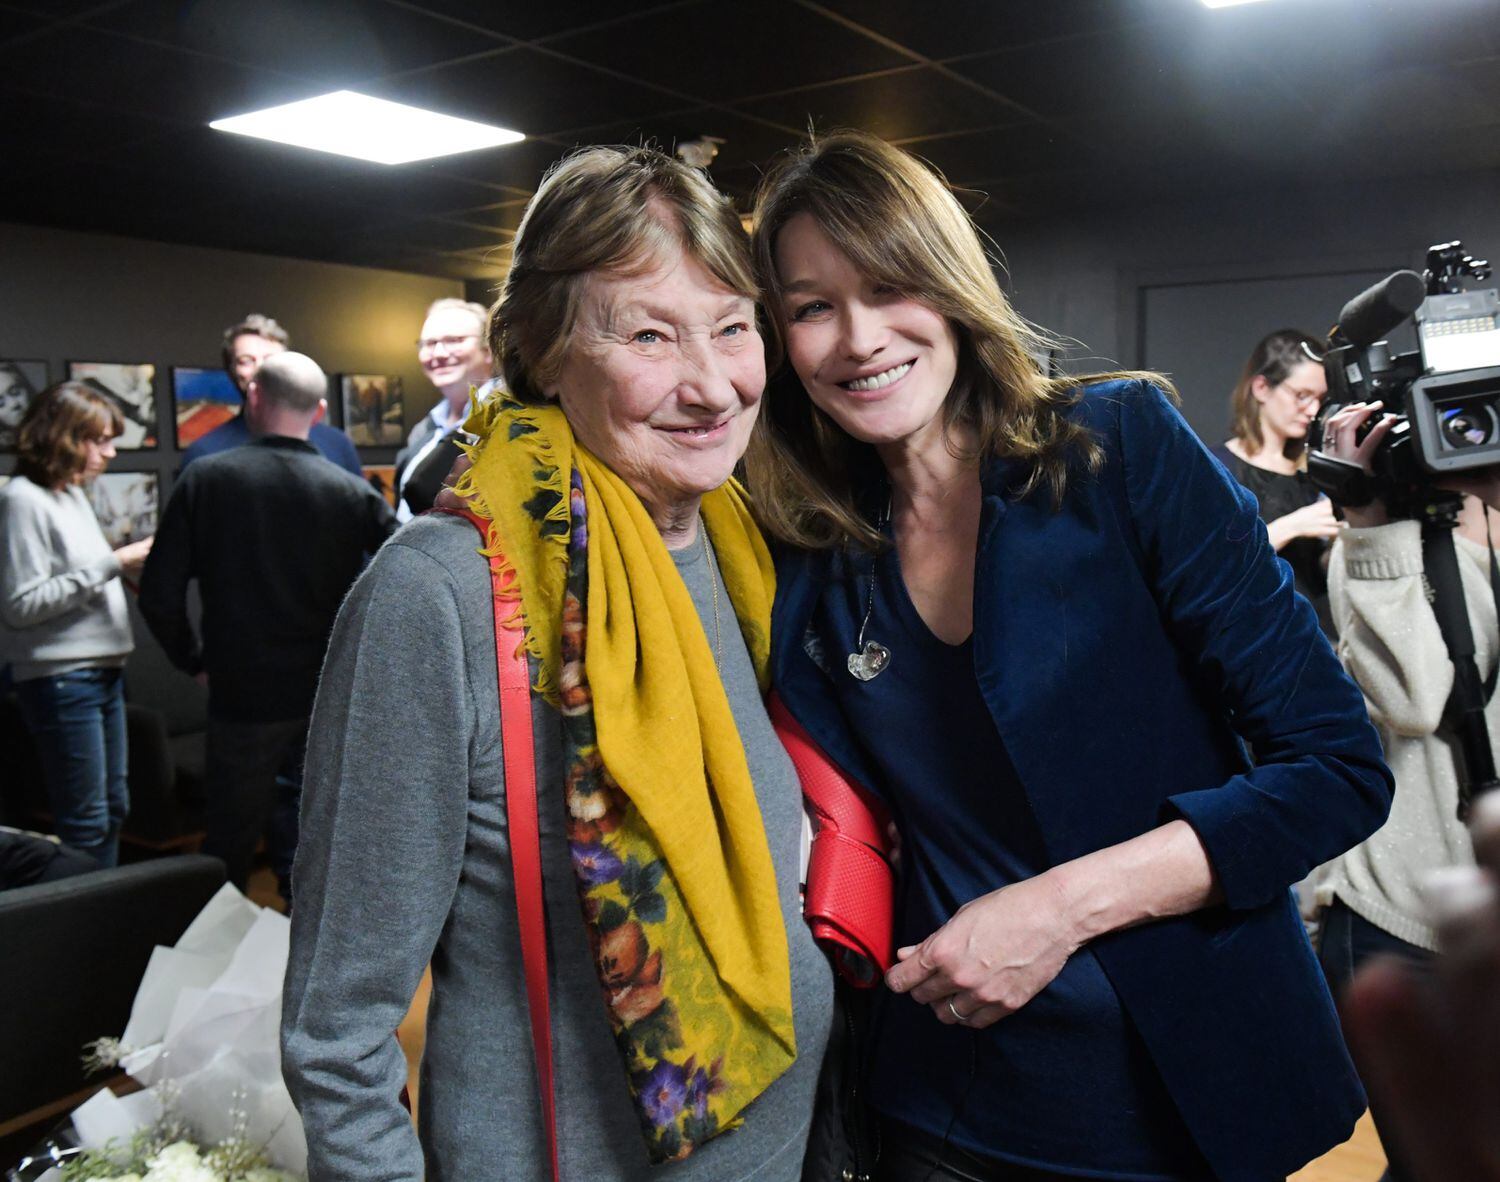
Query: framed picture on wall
127	504
20	382
374	409
132	389
202	399
382	478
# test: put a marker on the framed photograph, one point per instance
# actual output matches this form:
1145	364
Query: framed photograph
127	504
382	478
132	389
20	382
202	399
374	410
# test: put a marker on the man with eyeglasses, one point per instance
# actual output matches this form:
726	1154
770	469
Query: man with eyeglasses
247	344
454	356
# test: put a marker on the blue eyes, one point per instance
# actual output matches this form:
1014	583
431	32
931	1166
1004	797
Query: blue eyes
650	336
810	308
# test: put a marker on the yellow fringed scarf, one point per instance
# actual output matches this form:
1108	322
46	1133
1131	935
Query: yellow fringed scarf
669	848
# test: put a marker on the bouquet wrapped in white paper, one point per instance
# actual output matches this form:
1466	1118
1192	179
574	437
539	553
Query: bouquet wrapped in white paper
203	1037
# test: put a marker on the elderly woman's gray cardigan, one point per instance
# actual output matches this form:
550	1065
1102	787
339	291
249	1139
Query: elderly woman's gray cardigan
404	857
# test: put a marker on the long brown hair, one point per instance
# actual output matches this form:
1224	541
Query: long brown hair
899	224
1274	358
60	421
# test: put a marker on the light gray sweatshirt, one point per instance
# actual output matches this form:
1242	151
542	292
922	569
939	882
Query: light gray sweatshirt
62	606
1390	643
405	857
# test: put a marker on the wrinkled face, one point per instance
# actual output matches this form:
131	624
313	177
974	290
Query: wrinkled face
878	363
247	352
1288	409
452	351
97	453
662	380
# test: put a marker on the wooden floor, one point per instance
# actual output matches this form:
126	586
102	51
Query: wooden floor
1357	1160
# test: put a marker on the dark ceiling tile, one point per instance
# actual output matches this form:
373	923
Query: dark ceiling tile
18	24
526	90
38	131
746	141
334	42
948	28
917	102
529	21
143	79
983	158
720	53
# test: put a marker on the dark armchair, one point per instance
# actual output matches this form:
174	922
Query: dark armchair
75	951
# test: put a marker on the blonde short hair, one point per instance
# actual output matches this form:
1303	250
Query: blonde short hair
604	209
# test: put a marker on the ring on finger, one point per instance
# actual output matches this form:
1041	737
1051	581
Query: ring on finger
957	1017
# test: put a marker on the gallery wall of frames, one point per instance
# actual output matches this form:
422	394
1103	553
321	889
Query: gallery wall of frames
168	408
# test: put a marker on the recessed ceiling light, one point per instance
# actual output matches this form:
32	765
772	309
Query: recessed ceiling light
1226	3
366	128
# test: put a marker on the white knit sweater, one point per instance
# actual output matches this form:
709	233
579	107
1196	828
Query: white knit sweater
61	603
1390	643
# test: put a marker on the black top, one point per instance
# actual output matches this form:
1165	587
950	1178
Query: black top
1065	1083
274	534
1280	494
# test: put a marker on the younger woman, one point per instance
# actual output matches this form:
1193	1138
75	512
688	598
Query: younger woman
63	622
1037	618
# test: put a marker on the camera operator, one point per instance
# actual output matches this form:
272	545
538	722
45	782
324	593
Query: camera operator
1390	642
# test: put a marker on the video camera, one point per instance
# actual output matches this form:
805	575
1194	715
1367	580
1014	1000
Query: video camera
1446	393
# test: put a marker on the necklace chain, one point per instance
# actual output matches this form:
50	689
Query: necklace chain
885	519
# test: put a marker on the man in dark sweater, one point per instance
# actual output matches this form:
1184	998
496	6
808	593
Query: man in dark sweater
275	535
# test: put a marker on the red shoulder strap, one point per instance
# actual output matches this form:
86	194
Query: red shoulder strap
525	837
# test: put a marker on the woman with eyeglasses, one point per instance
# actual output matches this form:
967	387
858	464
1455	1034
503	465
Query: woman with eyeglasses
452	352
1272	406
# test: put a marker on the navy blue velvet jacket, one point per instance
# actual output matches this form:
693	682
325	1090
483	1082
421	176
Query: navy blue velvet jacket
1130	646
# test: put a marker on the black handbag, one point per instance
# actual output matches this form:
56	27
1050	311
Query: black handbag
843	1144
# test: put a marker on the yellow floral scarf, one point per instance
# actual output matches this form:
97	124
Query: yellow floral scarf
669	849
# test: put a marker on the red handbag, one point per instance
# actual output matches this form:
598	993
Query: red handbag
849	902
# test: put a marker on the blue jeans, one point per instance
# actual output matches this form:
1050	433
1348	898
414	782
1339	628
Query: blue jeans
1346	940
78	722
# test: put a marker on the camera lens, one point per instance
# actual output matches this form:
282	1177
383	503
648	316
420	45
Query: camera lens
1471	424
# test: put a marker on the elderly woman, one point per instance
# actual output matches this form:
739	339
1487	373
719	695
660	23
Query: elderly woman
64	627
689	1004
1045	627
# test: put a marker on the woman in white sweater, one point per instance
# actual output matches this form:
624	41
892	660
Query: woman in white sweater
1372	896
64	629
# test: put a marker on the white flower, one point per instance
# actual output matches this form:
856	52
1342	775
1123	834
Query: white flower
179	1162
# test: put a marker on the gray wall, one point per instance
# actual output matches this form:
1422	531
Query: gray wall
1119	283
67	296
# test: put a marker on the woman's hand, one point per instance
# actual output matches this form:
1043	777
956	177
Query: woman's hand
132	557
1339	442
997	953
448	499
1310	521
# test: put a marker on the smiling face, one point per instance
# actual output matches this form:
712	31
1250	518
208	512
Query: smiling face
878	363
247	351
1287	409
662	380
452	351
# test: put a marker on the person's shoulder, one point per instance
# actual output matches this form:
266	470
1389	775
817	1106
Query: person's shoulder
432	556
222	438
20	498
444	537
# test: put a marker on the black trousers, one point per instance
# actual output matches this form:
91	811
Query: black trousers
254	785
910	1155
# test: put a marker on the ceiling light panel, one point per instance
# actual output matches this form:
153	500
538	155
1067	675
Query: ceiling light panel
349	124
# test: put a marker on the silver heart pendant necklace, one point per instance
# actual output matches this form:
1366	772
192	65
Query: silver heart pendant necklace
870	658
